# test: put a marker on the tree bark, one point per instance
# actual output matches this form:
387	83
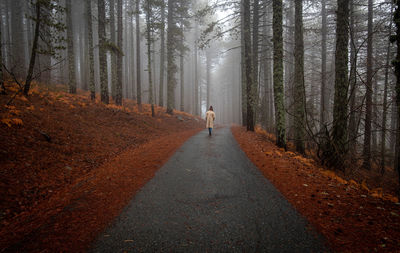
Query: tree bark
385	106
353	129
299	92
254	54
113	55
162	55
324	107
248	64
171	67
70	45
208	77
2	87
243	66
118	91
278	74
92	86
368	95
102	52
138	81
181	68
196	76
34	48
17	39
149	70
397	71
339	131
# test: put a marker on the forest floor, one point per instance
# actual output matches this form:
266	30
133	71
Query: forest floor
350	215
69	165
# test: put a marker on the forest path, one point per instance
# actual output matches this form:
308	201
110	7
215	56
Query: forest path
209	197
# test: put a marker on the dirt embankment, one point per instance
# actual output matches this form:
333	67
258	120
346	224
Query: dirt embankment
69	165
352	217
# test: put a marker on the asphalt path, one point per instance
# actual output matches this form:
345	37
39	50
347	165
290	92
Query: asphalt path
209	198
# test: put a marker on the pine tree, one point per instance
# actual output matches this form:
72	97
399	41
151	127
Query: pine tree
149	27
138	80
278	74
113	55
324	31
385	104
2	87
70	46
102	51
396	38
299	89
118	91
48	29
89	17
162	54
368	95
339	131
248	63
352	131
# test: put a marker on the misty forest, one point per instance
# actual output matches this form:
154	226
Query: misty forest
98	95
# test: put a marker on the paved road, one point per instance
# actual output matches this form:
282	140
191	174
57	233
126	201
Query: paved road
209	198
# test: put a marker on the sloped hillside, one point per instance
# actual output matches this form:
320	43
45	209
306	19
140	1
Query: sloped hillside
60	151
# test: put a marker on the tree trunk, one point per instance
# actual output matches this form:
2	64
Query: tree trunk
278	74
2	87
385	106
324	107
339	135
162	55
397	71
353	129
118	91
299	92
113	53
196	76
368	95
288	70
70	45
243	66
134	97
248	64
265	71
181	68
92	86
102	51
138	81
208	77
254	54
18	41
148	33
34	48
171	67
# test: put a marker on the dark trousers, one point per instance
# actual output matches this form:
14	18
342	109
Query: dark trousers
209	130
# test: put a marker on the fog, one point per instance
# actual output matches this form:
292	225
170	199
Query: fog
198	52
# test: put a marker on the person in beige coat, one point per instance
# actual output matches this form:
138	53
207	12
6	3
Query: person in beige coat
210	117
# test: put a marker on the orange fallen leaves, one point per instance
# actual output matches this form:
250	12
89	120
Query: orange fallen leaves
12	121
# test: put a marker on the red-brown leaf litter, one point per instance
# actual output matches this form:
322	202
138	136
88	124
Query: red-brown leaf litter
349	215
69	165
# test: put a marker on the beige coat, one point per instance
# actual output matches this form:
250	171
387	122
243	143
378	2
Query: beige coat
210	117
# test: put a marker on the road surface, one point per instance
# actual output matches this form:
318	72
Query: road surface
209	198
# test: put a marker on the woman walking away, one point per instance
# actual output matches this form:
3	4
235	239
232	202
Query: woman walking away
210	117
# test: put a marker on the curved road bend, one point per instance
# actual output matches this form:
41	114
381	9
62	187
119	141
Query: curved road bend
209	198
